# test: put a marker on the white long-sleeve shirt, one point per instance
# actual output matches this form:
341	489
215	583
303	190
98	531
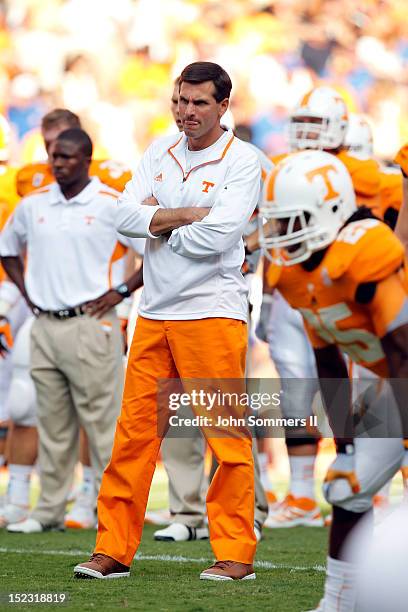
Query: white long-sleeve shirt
196	273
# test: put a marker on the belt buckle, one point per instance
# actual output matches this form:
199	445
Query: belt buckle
62	314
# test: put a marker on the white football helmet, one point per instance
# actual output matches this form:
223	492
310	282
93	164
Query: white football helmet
359	137
307	198
319	121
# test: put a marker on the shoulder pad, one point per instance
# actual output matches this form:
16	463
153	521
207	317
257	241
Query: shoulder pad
32	177
366	251
365	174
111	173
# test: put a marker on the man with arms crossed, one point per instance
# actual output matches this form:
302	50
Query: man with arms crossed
184	463
204	185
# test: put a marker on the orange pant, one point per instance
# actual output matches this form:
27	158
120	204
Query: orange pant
207	348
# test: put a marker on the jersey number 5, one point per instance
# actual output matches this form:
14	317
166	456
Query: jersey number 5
359	344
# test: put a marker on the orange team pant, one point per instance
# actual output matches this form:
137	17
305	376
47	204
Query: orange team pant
207	348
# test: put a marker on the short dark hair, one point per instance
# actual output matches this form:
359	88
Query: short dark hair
199	72
79	137
58	116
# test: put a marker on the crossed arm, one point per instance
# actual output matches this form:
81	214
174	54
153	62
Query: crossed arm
166	220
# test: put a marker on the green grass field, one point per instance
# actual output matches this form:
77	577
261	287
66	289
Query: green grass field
289	567
289	571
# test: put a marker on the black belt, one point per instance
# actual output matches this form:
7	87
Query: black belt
65	313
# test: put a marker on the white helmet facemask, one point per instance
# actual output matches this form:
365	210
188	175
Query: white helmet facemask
291	228
326	134
327	124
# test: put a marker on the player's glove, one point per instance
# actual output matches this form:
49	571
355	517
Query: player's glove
342	467
6	337
401	159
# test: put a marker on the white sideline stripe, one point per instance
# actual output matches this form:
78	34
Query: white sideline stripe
166	558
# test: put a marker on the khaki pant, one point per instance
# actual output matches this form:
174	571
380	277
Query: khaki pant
188	484
184	463
78	374
211	349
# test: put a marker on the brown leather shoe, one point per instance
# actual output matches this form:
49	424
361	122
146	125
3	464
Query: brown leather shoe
101	566
229	570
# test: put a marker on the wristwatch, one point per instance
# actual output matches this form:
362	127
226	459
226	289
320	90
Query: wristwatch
123	290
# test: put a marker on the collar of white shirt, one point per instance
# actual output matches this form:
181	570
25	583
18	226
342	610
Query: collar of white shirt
83	197
211	154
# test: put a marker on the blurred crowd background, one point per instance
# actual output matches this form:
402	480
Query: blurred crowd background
114	61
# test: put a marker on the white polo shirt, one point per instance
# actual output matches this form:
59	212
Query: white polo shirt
70	244
196	273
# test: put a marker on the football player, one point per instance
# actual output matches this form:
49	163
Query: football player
320	121
343	270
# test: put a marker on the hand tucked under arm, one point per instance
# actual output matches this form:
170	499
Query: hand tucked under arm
225	224
167	219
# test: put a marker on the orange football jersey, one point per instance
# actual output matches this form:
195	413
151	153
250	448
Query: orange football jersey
365	251
35	176
365	174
